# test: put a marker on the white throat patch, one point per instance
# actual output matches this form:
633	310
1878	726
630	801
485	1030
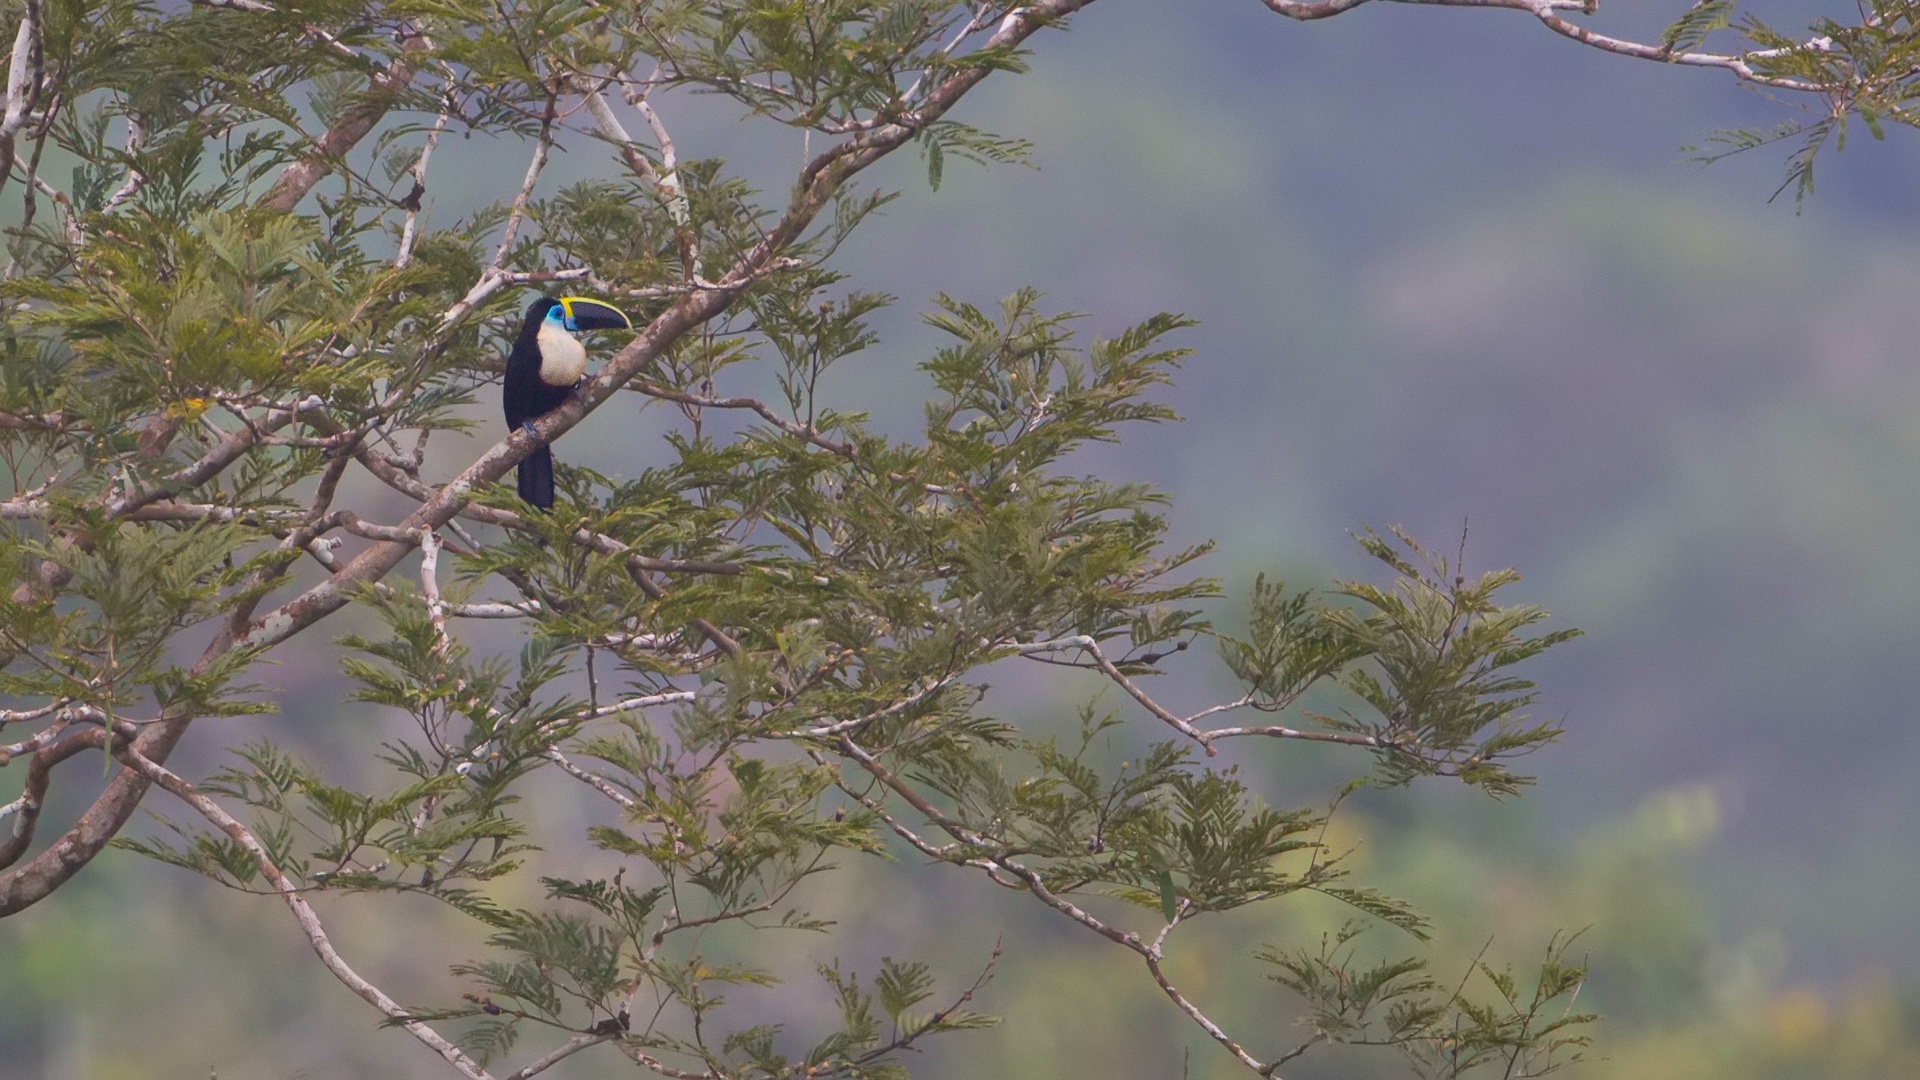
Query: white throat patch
563	359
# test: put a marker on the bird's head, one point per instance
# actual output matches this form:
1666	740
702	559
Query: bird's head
576	314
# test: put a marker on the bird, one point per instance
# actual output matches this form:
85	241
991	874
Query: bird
545	365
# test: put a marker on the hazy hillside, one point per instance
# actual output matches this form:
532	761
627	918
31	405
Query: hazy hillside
1449	269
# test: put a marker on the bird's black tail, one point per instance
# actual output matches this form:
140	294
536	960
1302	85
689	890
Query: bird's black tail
536	478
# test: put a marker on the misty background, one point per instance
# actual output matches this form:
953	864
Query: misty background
1452	271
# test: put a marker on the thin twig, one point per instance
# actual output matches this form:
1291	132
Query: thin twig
565	1050
302	911
1092	649
1548	12
1185	724
1031	879
976	22
856	723
654	1064
592	780
135	179
494	276
1212	1029
419	174
903	1040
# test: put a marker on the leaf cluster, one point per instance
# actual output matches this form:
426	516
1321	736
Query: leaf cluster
1863	70
1516	1030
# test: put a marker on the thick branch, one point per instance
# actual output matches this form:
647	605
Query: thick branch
227	451
25	885
352	126
23	84
28	884
25	810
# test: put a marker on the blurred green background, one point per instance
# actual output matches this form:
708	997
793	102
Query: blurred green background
1451	271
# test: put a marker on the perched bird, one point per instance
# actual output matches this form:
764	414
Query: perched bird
546	363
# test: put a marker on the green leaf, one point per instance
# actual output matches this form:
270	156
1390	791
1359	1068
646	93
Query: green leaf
936	163
1872	120
1689	30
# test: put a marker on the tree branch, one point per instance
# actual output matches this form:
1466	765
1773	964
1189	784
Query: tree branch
419	174
566	1050
1212	1029
1548	12
33	795
23	84
1092	649
353	125
1185	725
593	780
135	179
302	912
1031	879
494	276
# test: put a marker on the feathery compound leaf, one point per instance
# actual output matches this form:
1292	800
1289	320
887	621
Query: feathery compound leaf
1689	30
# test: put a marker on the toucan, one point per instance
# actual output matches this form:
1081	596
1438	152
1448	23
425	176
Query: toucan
545	365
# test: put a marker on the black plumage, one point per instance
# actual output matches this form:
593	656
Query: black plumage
544	350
